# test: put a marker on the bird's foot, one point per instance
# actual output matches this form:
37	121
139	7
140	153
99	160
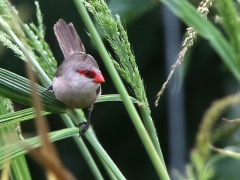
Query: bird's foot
85	127
50	88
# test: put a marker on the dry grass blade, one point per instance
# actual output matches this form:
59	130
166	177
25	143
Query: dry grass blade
47	155
6	170
53	169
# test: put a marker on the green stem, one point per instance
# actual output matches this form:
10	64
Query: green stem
89	134
109	171
19	168
101	152
82	147
25	51
158	164
148	122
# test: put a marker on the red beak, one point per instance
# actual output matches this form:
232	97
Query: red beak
98	78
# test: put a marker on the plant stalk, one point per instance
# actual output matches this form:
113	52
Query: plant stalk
157	162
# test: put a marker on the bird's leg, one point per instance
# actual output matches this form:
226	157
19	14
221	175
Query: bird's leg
87	123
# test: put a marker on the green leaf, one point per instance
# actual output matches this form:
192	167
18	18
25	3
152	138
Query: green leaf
113	97
127	9
230	22
10	134
18	149
17	88
18	116
29	113
206	29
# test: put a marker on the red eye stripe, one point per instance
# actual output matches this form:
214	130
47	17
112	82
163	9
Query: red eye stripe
87	73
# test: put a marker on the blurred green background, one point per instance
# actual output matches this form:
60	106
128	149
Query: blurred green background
205	79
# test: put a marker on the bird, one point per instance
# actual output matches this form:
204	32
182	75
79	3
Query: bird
77	80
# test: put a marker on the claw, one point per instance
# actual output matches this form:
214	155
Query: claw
48	89
85	127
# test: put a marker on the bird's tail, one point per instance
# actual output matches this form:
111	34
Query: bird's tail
68	38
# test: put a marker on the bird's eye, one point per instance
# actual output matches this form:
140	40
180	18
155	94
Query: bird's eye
87	73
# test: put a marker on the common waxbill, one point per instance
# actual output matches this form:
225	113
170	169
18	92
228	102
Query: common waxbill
77	80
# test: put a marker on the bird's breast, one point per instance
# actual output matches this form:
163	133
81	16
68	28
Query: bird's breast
75	95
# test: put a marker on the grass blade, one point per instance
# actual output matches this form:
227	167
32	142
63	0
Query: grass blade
16	88
206	29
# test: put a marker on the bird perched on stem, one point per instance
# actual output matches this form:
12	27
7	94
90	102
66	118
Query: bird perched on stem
77	81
